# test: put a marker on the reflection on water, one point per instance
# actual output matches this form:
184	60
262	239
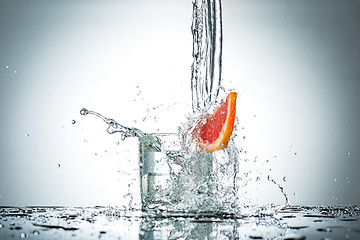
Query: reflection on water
111	223
211	228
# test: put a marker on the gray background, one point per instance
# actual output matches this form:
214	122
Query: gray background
295	65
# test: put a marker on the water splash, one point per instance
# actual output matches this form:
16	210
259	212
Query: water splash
284	193
192	179
186	179
148	140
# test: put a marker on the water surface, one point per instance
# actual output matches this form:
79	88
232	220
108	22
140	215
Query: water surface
295	222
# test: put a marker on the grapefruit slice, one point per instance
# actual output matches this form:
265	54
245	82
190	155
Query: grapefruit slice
215	133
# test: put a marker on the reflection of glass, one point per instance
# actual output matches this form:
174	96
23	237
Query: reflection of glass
168	228
155	171
187	227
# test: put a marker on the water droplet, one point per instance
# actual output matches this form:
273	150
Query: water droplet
334	179
28	135
1	225
36	232
15	71
324	229
257	179
255	237
223	112
117	143
123	137
244	137
7	66
284	178
15	228
73	121
84	111
23	235
348	153
295	194
295	153
58	165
